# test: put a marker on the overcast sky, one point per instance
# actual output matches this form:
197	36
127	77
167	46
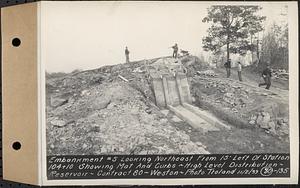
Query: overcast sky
88	35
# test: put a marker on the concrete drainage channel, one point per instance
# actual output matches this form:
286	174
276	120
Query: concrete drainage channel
172	91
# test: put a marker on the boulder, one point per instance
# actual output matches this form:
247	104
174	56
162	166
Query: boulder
264	125
100	103
58	123
176	119
259	120
165	112
280	121
85	92
285	130
148	110
193	99
56	102
84	146
266	116
111	105
252	122
200	144
163	121
272	127
253	117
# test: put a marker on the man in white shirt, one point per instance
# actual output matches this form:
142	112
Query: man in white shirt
240	71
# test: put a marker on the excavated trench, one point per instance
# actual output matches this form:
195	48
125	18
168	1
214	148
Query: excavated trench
172	91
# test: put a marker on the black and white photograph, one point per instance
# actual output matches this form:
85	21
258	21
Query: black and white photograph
166	78
214	80
149	93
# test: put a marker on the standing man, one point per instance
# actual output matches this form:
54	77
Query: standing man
175	50
227	65
127	54
266	74
240	71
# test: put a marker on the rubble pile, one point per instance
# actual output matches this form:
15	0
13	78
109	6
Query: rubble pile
278	126
111	110
72	84
280	74
96	112
207	73
251	106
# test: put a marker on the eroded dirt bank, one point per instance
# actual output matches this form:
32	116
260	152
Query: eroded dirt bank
97	112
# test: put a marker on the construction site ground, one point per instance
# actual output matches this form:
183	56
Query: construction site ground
250	114
112	110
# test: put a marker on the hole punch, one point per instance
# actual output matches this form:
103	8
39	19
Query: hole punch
16	145
16	42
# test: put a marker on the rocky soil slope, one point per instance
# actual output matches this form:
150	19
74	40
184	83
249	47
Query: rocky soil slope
99	112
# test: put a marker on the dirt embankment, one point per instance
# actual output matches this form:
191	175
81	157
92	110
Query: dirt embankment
243	104
97	112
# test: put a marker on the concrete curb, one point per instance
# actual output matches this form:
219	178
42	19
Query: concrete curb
206	116
193	119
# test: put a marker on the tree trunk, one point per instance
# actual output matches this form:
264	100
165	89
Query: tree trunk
257	50
251	48
227	51
227	44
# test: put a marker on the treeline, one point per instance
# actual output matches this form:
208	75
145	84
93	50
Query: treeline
240	30
275	47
